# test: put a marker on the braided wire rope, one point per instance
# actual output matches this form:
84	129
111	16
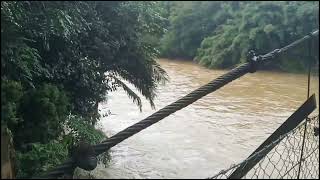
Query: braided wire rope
212	86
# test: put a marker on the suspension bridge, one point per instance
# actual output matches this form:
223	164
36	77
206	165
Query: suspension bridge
292	151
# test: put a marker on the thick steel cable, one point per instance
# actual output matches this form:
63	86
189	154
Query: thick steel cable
276	52
190	98
212	86
169	109
157	116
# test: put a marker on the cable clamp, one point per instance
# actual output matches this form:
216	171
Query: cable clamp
253	59
84	157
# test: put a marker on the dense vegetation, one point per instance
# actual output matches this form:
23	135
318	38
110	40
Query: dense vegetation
219	34
60	59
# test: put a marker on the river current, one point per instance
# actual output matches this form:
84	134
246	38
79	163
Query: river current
220	129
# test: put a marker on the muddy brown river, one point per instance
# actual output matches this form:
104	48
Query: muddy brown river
207	136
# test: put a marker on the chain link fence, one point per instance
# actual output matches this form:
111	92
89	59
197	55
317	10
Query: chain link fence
283	161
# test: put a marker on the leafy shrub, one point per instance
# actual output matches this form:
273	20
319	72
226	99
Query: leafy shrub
80	129
44	111
11	93
40	158
46	156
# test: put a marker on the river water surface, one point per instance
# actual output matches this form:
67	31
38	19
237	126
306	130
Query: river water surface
209	135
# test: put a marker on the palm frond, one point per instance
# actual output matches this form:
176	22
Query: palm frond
135	98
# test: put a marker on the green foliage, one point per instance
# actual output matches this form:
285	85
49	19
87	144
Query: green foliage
62	58
74	45
81	130
46	156
19	61
219	34
11	92
43	110
190	22
40	158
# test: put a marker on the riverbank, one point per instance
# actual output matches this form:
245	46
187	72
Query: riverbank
314	68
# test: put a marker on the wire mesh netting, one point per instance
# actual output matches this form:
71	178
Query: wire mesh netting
284	159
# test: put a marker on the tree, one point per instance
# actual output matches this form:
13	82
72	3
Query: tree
63	58
74	45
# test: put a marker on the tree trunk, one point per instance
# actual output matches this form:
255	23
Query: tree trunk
7	155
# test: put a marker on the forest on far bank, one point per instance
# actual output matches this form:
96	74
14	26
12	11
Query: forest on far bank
218	34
